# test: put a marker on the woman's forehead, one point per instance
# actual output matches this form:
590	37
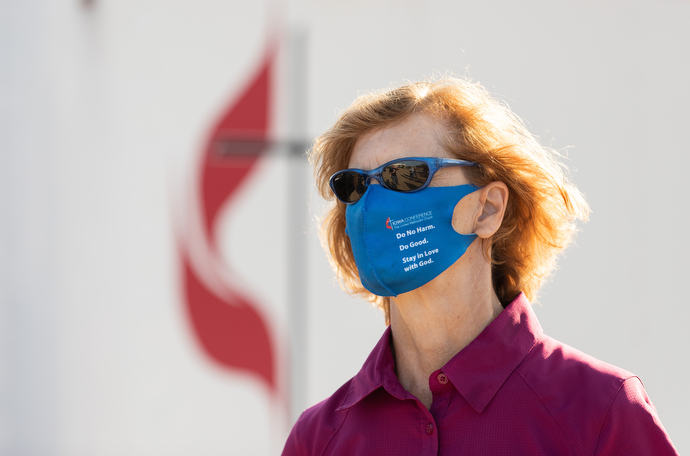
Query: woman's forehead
416	136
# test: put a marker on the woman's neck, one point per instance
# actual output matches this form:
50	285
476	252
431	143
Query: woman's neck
430	325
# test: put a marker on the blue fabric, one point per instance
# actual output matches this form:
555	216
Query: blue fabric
402	241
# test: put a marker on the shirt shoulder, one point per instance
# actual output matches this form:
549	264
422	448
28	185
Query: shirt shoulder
551	368
632	425
317	425
582	393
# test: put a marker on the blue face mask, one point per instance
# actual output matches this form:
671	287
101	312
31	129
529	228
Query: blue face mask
402	241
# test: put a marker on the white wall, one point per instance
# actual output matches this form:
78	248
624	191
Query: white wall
103	113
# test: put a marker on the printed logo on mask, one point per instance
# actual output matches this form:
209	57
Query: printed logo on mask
411	220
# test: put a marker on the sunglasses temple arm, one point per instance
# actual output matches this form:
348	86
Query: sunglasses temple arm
441	164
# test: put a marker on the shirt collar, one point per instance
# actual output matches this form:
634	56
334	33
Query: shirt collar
477	371
378	370
480	369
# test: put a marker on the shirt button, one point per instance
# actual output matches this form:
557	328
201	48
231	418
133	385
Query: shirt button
442	379
429	428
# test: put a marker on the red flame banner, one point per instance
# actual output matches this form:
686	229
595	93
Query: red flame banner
229	328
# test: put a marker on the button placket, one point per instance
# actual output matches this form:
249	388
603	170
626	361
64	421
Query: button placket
441	389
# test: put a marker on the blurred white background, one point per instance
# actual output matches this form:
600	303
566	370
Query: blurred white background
104	109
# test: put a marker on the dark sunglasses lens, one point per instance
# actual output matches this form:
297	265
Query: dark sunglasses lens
405	175
349	186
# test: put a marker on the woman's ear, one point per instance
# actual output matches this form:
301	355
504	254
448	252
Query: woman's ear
493	199
482	212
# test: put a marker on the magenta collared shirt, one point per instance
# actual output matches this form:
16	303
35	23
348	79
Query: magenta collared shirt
511	391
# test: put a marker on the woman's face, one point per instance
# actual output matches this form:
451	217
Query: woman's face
413	137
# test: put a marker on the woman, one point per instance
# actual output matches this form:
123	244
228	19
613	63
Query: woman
453	257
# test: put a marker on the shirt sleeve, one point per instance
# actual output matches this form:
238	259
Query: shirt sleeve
292	446
632	426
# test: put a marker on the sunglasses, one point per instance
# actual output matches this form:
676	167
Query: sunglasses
401	175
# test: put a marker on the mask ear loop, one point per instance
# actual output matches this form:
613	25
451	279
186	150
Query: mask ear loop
457	208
